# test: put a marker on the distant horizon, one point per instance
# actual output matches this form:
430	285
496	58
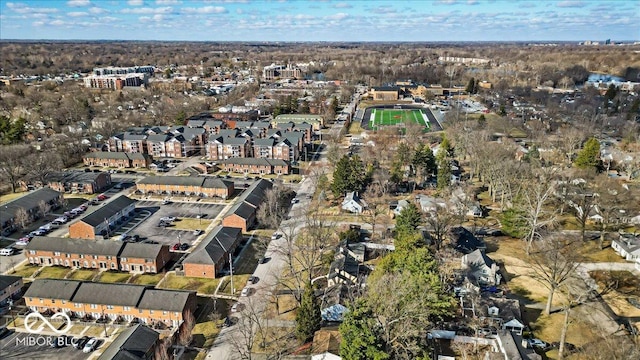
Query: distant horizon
614	42
417	21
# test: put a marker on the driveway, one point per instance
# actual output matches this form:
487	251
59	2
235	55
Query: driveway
30	346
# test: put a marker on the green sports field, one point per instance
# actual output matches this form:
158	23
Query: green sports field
395	117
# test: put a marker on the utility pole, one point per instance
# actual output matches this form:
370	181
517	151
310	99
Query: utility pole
231	271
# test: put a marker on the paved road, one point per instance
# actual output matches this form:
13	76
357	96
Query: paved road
223	348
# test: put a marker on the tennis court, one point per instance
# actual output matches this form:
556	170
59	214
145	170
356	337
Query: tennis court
397	117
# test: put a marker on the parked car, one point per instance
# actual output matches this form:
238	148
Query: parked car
253	279
275	236
83	207
79	343
537	343
245	292
149	242
201	216
168	219
8	251
117	186
295	200
23	241
135	238
175	246
91	345
4	331
166	202
227	322
263	260
184	246
197	232
102	197
58	342
235	307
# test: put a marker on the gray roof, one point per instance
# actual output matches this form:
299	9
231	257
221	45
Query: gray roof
213	123
74	177
107	155
137	156
75	246
107	210
133	137
243	210
212	248
214	183
109	294
233	140
166	300
228	133
478	258
264	142
27	202
195	123
159	137
140	250
132	343
254	161
297	118
244	124
53	289
8	280
205	182
255	193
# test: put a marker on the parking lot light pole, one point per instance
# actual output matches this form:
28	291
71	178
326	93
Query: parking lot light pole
231	271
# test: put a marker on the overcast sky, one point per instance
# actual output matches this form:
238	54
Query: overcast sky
299	20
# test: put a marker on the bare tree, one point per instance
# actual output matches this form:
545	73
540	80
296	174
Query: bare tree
536	198
22	218
44	208
12	163
441	220
185	336
42	164
274	207
553	261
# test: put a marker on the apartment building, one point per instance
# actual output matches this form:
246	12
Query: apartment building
116	82
260	166
212	254
96	300
97	254
75	182
10	289
137	342
26	209
186	186
117	159
104	220
220	147
243	214
275	72
128	142
113	70
316	121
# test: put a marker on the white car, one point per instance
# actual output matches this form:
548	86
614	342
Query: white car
8	251
275	236
90	345
235	308
245	292
537	343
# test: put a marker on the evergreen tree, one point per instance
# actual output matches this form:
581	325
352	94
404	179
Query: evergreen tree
181	118
444	170
482	121
408	219
359	338
308	317
424	160
471	86
349	175
514	223
589	156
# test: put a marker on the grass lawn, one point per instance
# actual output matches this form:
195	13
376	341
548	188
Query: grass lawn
113	277
618	286
549	327
239	281
11	196
53	272
83	274
287	306
209	286
191	224
76	329
355	128
97	331
203	285
147	279
205	333
25	271
593	253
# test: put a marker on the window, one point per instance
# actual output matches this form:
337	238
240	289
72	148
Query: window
30	299
32	252
95	256
123	259
77	305
64	301
53	301
109	307
108	257
127	308
165	312
56	253
151	312
93	306
148	260
67	255
81	256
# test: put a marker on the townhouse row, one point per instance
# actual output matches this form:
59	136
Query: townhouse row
113	301
97	254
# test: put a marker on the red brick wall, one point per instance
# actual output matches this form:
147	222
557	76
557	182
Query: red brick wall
81	230
235	221
200	270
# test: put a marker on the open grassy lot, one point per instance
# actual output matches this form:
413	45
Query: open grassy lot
355	128
53	272
97	331
113	277
618	286
191	224
204	333
82	274
11	196
388	117
239	281
593	253
147	279
25	271
201	285
548	328
285	310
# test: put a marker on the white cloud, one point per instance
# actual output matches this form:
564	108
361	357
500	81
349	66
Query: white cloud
168	2
38	23
96	10
77	14
342	6
135	2
154	18
24	9
148	10
206	10
338	16
239	11
58	22
78	3
571	4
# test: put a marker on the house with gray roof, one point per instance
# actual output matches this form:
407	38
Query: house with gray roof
137	342
104	220
52	289
11	218
243	213
255	166
481	270
212	254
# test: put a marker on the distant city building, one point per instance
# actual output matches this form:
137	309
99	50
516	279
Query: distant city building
273	72
111	70
116	82
463	60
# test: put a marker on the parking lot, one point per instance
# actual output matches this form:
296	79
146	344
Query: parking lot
31	346
149	229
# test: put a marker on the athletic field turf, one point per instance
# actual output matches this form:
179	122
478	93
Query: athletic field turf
391	117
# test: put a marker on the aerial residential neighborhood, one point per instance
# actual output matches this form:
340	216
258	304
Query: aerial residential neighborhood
357	185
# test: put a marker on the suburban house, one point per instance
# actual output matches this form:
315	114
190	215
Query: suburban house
186	186
627	246
510	346
87	299
117	159
28	208
76	182
103	220
352	203
97	254
10	289
212	254
243	214
346	267
326	343
480	269
137	342
465	241
255	166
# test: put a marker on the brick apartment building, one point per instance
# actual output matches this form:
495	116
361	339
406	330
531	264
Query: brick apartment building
243	214
29	205
117	159
255	166
97	254
101	300
10	289
103	220
137	342
76	182
220	147
212	254
186	186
